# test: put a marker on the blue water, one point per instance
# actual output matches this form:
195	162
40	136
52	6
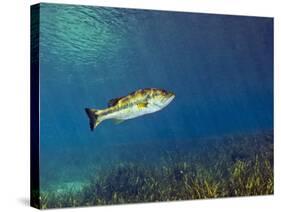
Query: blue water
220	68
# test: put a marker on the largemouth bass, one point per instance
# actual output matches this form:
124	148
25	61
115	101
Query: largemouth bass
135	104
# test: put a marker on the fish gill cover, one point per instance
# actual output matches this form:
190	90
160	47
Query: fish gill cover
214	140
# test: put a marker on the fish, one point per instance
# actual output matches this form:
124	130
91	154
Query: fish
137	103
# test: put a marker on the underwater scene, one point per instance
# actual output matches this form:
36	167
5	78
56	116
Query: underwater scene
145	106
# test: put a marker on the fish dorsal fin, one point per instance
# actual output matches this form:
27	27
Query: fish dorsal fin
113	102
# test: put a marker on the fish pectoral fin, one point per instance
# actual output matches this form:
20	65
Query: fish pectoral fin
142	105
118	121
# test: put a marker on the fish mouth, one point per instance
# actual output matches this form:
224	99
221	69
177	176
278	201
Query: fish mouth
170	98
171	95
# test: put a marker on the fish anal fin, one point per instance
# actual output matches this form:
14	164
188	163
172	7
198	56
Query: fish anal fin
142	105
118	121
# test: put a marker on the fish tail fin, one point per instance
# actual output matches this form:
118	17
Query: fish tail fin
93	118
